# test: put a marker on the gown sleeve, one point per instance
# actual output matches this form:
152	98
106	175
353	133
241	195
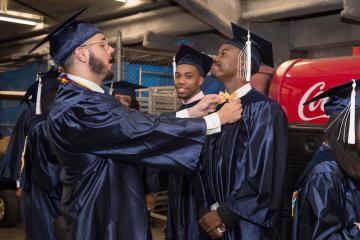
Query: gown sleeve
11	163
108	130
258	190
323	213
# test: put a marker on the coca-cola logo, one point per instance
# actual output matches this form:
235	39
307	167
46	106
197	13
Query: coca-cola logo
314	110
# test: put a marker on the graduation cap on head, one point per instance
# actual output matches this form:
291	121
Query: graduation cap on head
46	82
188	55
67	36
260	49
123	88
343	99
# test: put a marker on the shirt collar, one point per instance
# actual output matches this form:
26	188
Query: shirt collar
195	98
86	83
243	90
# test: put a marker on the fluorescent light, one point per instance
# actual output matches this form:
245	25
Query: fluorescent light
17	20
20	17
121	1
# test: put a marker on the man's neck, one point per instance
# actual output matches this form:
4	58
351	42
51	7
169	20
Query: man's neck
233	85
193	98
91	77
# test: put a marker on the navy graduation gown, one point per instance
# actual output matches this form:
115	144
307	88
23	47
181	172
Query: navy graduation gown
182	212
243	170
11	163
98	143
41	186
328	202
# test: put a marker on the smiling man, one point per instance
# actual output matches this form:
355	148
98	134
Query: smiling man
99	142
191	67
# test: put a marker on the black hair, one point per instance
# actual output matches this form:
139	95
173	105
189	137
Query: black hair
134	104
47	100
347	155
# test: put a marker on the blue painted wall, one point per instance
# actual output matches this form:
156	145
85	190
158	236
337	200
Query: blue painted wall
16	80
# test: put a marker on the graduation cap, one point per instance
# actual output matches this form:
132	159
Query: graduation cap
67	36
343	99
259	50
123	88
188	55
46	82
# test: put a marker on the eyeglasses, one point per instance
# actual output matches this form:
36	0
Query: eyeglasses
103	43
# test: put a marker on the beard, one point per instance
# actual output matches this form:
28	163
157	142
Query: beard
98	67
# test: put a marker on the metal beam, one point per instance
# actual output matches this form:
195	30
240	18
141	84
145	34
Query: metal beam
205	13
323	32
171	43
261	11
351	10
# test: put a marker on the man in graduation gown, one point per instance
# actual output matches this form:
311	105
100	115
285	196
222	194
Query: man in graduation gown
99	142
242	171
10	166
41	188
326	204
191	68
124	92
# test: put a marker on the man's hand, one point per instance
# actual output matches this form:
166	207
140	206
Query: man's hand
206	105
230	112
150	201
216	234
18	192
210	222
358	225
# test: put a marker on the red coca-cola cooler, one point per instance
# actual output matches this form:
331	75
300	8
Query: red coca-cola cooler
299	80
293	83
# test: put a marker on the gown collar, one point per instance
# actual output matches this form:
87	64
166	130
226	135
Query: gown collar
195	98
85	83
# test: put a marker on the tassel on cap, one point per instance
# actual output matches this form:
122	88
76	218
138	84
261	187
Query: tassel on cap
38	96
352	132
248	57
111	90
174	67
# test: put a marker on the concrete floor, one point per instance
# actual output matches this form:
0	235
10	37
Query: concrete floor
17	233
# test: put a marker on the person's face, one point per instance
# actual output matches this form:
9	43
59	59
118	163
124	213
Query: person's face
123	99
187	81
100	57
225	63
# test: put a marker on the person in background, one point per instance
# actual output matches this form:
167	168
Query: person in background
326	204
100	143
125	94
191	68
242	171
11	162
41	187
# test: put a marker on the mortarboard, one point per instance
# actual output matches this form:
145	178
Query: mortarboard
123	88
343	99
188	55
261	49
46	82
67	36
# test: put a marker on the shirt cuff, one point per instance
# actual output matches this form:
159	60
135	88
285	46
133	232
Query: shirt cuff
182	114
213	124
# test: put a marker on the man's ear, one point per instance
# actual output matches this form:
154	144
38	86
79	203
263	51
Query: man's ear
81	55
201	80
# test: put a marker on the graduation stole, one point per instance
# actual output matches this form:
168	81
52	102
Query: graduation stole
64	79
23	155
293	202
